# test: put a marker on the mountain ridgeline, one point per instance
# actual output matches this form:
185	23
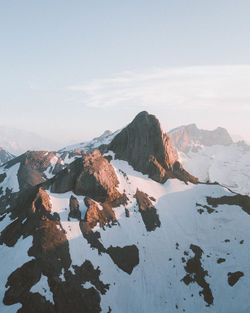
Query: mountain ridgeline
120	226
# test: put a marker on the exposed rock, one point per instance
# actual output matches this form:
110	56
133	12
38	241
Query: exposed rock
145	147
5	156
94	215
74	208
196	273
92	176
234	277
240	200
33	164
126	258
147	210
20	282
189	137
41	203
221	260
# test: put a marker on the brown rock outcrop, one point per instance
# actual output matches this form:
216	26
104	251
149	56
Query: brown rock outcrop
145	147
74	208
92	176
33	164
147	210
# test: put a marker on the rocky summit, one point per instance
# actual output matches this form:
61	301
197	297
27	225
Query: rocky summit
118	225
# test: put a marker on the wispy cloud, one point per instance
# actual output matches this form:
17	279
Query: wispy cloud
188	87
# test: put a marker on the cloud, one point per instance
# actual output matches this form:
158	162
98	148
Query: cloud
208	87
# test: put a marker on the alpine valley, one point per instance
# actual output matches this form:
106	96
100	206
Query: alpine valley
136	221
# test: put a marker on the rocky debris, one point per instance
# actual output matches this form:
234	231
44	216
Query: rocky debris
206	207
92	176
126	258
41	204
74	208
196	273
234	277
190	137
242	201
145	147
147	210
5	156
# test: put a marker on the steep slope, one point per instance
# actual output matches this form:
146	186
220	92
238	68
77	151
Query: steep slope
5	156
144	145
100	236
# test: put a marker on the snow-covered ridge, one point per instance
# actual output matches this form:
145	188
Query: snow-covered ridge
89	146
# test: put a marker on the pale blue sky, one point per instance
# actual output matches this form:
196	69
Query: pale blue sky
71	69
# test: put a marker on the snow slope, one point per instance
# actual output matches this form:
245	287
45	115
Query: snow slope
156	283
227	165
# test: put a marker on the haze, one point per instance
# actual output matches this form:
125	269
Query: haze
71	69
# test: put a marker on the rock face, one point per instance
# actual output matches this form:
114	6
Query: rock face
5	156
74	208
147	210
190	137
92	176
144	145
33	164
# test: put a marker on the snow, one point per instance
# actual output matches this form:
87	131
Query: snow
48	173
11	179
11	259
228	165
155	284
93	144
43	288
60	205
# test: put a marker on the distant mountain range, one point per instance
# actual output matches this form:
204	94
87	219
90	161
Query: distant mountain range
17	141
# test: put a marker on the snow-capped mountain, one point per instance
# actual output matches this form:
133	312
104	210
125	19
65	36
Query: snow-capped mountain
5	156
121	229
213	156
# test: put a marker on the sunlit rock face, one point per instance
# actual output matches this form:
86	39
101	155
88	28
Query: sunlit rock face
190	137
144	145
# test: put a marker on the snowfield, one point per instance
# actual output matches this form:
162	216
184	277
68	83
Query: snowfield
227	165
156	284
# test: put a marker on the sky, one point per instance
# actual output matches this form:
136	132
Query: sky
71	69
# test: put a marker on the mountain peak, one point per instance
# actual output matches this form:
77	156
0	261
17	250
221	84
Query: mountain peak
144	145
